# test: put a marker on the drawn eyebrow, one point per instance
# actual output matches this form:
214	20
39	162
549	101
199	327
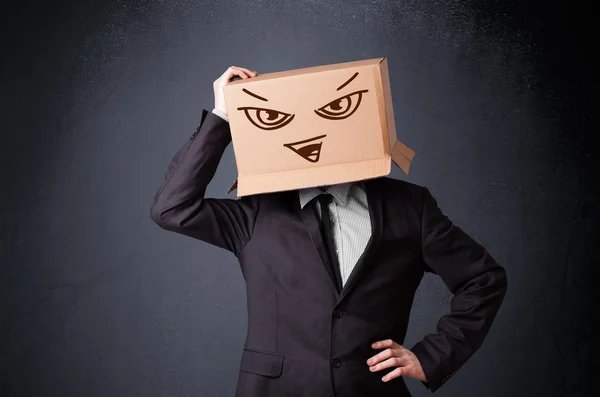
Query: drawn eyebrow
348	82
254	95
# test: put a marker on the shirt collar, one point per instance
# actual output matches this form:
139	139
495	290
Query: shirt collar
338	191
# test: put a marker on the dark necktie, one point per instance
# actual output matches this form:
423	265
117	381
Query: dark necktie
327	230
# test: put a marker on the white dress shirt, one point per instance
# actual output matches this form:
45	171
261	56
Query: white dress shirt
349	211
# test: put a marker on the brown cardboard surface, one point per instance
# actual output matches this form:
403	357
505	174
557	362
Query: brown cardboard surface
314	126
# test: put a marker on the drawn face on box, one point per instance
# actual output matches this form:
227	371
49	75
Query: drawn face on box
307	120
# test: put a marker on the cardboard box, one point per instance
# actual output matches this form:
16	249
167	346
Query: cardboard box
314	126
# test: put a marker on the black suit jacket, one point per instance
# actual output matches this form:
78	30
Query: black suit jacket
304	338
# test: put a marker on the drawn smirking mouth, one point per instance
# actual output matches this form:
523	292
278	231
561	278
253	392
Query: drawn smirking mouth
307	149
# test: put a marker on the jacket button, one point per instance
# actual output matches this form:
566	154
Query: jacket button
336	363
338	313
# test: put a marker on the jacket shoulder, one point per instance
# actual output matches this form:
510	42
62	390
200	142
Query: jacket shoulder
402	194
401	187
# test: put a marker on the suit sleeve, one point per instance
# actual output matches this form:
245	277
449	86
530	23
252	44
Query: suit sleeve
179	204
478	284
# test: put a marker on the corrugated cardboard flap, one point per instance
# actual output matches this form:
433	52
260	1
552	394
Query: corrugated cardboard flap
233	187
402	156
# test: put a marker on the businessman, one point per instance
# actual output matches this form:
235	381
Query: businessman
331	273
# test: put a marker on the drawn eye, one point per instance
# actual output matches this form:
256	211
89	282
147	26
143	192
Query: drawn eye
267	119
341	108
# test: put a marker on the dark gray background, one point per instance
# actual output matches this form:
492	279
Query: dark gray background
97	96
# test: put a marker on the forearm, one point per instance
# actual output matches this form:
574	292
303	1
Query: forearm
190	171
478	284
461	332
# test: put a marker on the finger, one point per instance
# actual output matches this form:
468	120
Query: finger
400	350
247	71
239	72
389	363
243	71
387	353
393	374
383	344
229	73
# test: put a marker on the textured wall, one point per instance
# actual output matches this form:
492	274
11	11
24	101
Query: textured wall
97	96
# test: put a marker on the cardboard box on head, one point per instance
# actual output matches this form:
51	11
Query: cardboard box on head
313	126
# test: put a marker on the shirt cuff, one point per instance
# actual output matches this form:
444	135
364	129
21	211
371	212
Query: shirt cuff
221	114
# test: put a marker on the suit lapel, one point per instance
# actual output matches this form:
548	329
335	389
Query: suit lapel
311	221
374	201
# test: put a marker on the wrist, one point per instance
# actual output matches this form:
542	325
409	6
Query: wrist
221	114
220	107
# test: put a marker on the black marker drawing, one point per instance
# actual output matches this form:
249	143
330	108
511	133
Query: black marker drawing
310	152
271	119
